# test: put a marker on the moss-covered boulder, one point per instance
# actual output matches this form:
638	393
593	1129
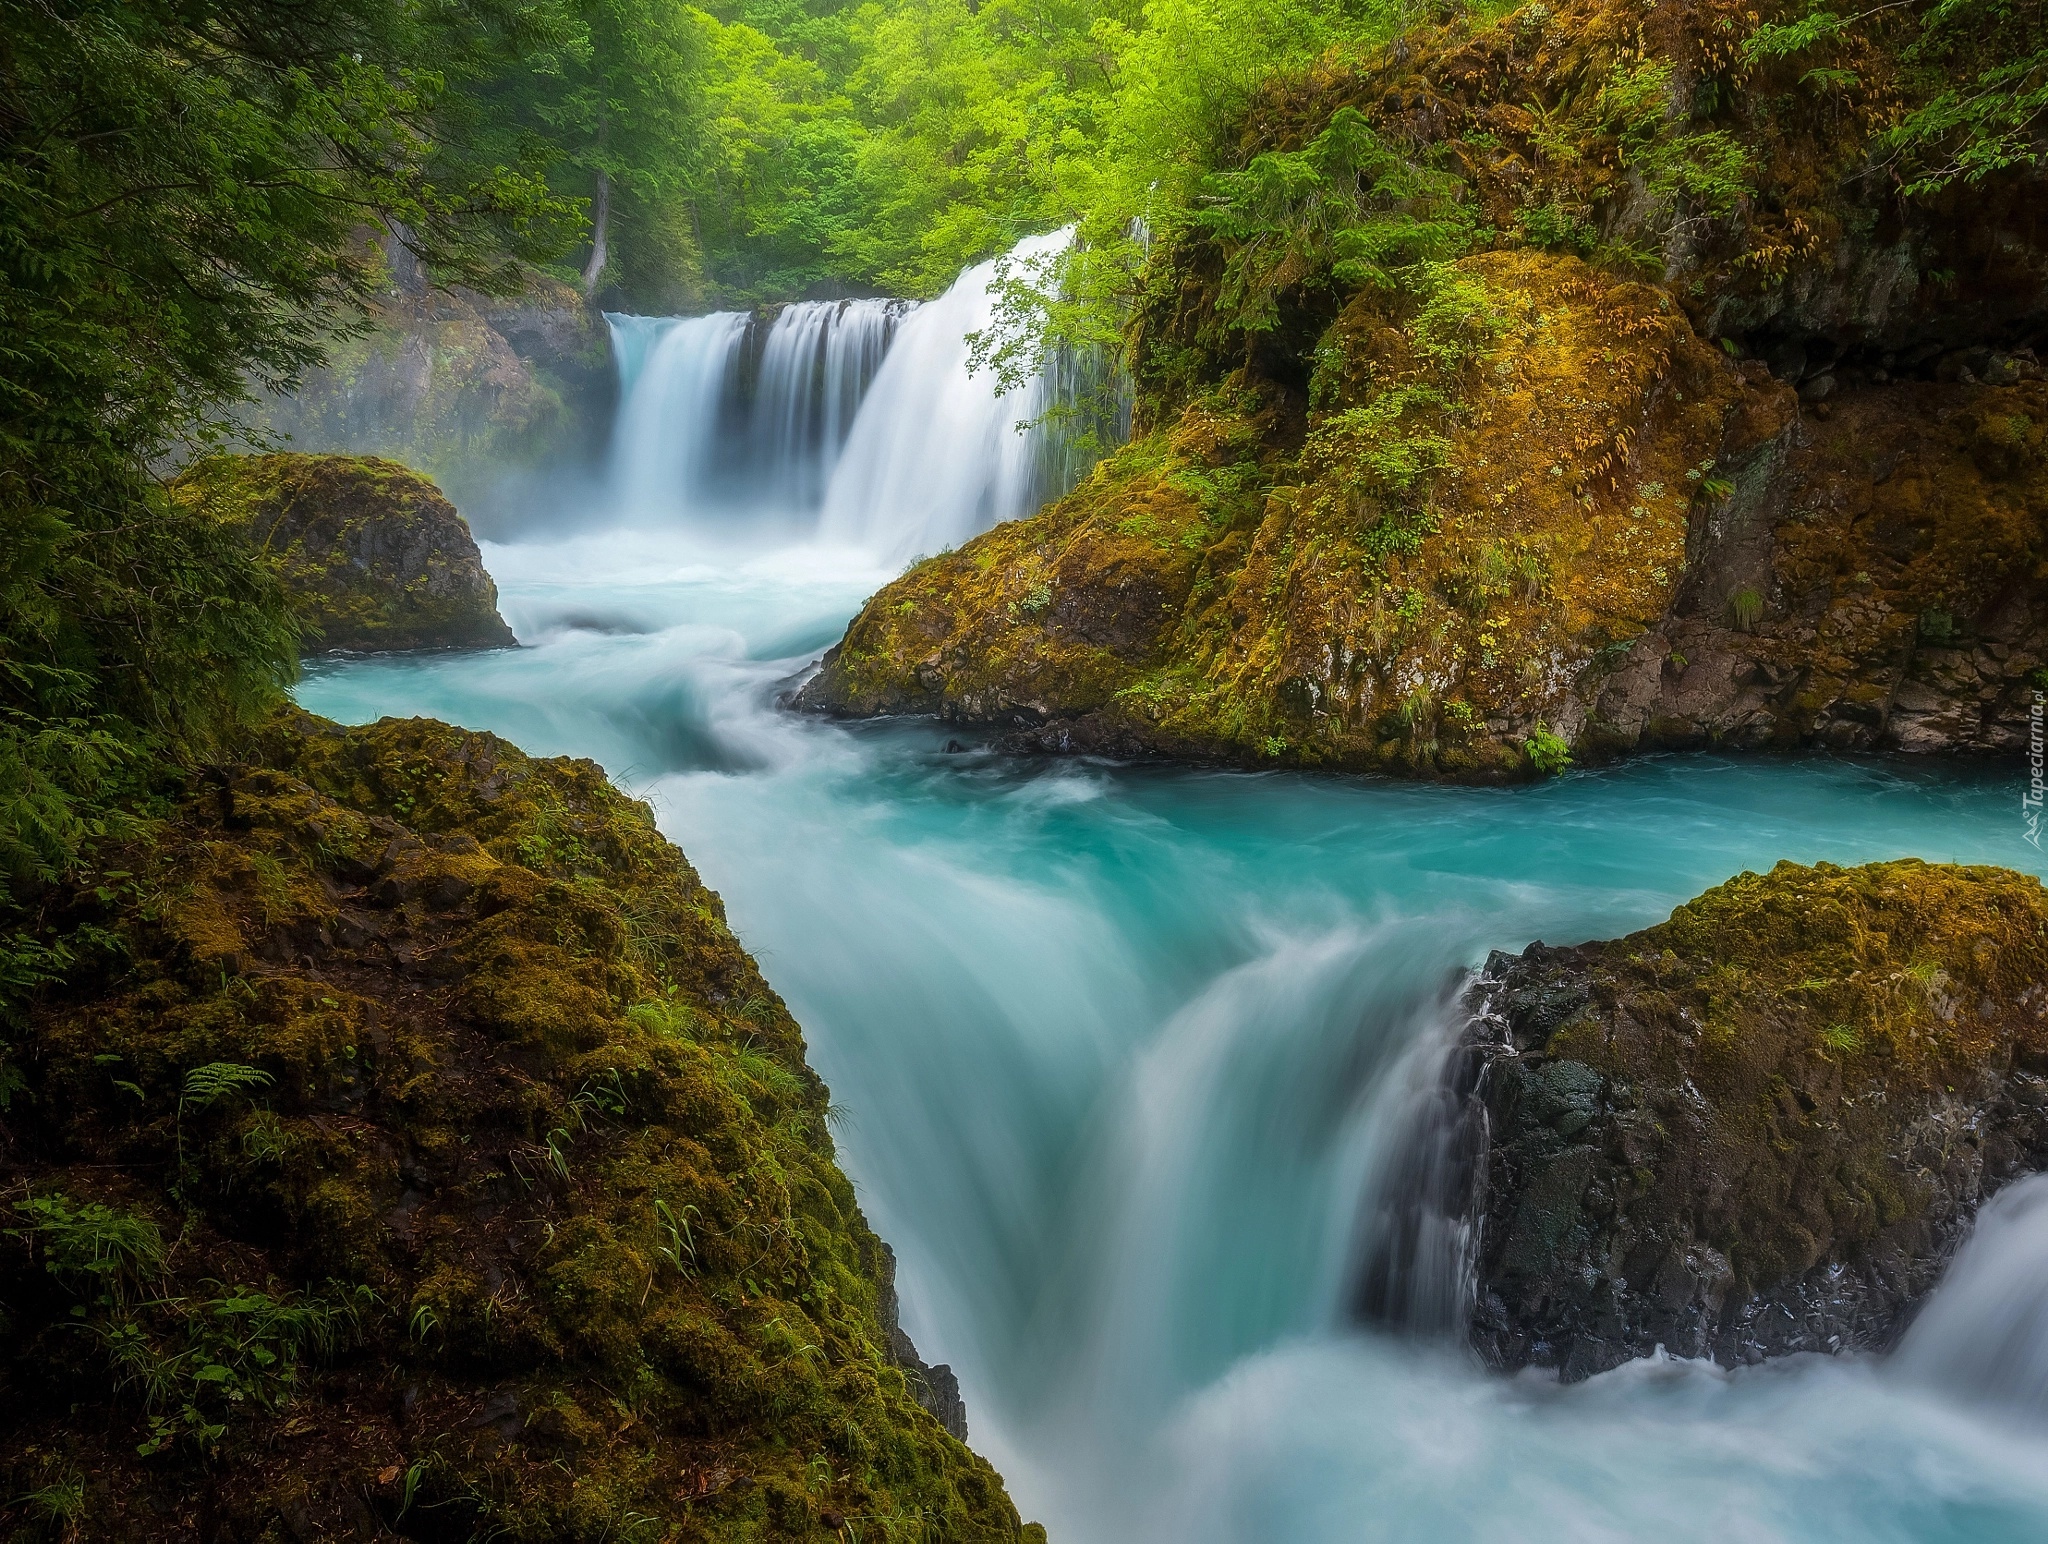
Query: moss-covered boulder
371	554
1759	1127
412	1149
1558	382
1495	486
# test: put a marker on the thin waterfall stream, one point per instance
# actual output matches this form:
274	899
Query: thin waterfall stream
1144	1069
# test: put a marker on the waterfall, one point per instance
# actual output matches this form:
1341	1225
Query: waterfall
816	364
937	454
1412	1252
1984	1332
863	418
673	375
735	411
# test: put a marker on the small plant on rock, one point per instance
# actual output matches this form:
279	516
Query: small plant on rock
1548	753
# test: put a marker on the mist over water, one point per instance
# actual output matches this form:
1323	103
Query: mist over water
1124	1050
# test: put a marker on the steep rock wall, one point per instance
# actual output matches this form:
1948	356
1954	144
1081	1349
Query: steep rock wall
473	390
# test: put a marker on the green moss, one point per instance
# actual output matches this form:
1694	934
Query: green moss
1448	364
522	1107
1486	492
370	553
1824	1017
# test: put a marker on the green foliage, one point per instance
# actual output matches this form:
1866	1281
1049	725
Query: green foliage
1347	208
1385	449
1548	753
102	1255
1458	322
1381	456
1557	228
195	1362
605	105
204	1085
1987	118
1982	74
677	1245
59	1502
1842	1038
128	631
1224	494
190	1359
888	144
1701	172
183	191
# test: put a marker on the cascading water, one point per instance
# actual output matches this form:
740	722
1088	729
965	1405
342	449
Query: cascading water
816	366
1984	1333
937	454
1121	1050
729	412
673	374
865	417
1413	1255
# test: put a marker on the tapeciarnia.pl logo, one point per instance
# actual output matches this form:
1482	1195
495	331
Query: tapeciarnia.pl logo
2030	801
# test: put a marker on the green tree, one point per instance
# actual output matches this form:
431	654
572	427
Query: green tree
602	102
184	189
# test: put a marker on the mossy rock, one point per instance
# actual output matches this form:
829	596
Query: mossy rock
1759	1127
1879	582
1409	577
1532	489
413	1149
371	554
463	387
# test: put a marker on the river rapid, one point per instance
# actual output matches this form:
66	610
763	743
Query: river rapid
1118	1049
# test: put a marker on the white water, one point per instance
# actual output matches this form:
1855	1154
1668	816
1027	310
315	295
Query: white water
861	422
937	455
674	373
1984	1335
816	366
1123	1050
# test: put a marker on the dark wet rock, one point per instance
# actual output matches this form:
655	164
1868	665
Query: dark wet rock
933	1387
1760	1127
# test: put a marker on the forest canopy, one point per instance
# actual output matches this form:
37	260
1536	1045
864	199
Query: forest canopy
763	149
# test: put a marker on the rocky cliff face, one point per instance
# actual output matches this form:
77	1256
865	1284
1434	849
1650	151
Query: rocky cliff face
469	388
1759	1127
372	555
413	1151
1875	581
1712	435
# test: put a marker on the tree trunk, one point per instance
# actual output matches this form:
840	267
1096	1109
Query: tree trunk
601	210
